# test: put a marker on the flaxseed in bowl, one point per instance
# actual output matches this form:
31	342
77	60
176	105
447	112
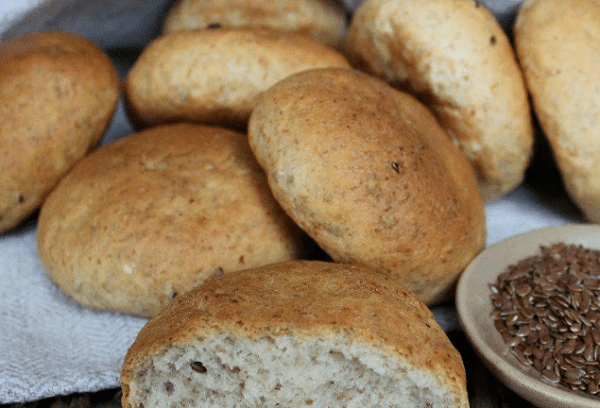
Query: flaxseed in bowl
530	306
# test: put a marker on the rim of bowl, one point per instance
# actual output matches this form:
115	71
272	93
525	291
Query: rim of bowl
472	304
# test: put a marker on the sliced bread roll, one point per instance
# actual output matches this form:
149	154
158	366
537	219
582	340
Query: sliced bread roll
293	334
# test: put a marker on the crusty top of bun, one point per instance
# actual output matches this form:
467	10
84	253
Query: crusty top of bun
215	76
58	93
455	57
558	44
303	300
324	20
153	214
367	171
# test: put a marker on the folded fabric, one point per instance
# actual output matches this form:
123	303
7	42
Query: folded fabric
51	345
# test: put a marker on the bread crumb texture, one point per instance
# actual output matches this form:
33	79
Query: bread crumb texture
151	215
58	93
293	334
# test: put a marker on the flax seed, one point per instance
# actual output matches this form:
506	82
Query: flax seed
547	309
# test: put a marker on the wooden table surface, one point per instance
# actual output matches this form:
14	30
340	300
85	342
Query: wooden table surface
485	391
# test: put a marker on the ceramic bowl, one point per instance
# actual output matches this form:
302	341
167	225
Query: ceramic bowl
473	303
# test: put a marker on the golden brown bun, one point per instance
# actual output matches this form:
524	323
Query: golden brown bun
214	76
295	334
324	20
369	174
152	215
58	93
454	56
558	43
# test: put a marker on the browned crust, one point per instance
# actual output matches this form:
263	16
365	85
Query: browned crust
58	92
454	56
305	299
215	76
154	214
369	174
558	43
324	20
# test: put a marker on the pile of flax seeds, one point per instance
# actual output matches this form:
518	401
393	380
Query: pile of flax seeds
547	309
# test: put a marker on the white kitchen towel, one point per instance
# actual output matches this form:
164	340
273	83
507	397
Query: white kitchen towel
49	345
110	23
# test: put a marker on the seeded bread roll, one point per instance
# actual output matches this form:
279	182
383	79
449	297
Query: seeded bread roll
295	334
58	93
215	76
153	214
558	45
454	56
369	174
324	20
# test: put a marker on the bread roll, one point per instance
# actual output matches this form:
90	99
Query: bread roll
215	76
369	174
454	56
58	93
324	20
152	215
558	45
295	334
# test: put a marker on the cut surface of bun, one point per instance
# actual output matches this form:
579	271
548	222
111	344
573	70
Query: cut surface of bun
292	334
